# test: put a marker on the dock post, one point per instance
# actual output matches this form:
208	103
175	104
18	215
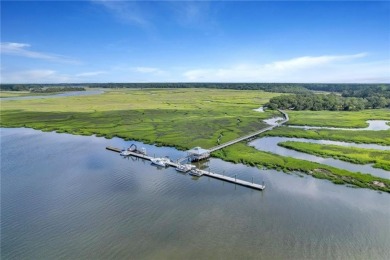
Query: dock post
252	180
235	177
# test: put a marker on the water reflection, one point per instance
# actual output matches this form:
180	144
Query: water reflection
73	199
274	120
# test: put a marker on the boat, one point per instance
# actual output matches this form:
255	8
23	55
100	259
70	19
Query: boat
196	172
185	167
125	152
160	161
133	149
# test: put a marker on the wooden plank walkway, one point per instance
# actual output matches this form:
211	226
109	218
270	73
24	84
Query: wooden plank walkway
207	173
221	146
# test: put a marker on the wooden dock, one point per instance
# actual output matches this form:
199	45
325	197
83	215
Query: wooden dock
221	146
215	148
234	180
207	173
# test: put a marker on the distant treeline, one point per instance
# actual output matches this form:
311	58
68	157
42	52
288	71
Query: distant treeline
345	89
56	89
332	102
42	88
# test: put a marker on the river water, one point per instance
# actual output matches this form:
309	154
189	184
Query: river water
65	196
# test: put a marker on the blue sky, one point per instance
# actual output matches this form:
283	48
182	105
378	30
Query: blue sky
195	41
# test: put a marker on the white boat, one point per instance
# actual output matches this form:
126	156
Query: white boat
160	161
185	167
125	153
196	172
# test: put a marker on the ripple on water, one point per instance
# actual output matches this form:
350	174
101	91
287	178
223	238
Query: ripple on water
89	203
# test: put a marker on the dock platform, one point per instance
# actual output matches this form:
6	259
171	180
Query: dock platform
207	173
234	180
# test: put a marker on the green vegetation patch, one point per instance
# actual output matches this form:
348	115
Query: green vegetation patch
380	159
241	153
5	94
346	119
183	118
368	137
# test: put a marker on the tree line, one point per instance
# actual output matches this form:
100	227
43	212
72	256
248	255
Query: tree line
331	102
56	89
357	90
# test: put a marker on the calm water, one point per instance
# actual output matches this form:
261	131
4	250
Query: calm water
270	144
273	120
65	196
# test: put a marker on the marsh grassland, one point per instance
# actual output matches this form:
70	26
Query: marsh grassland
5	94
178	117
380	159
185	118
341	119
368	137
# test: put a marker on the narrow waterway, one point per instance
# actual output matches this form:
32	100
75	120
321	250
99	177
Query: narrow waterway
270	144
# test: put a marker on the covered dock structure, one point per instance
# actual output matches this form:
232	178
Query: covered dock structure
197	154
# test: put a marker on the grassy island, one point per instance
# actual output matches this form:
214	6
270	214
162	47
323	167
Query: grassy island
380	159
241	153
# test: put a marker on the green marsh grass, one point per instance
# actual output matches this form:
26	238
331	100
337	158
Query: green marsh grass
380	159
182	118
178	117
242	153
344	119
368	137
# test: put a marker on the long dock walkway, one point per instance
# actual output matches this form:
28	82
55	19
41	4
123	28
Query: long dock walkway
234	180
207	173
215	148
218	147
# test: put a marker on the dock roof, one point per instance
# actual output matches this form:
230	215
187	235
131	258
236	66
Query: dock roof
198	151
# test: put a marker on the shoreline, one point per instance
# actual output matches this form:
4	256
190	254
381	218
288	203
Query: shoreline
252	158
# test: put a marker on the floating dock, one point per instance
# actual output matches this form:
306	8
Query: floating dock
207	173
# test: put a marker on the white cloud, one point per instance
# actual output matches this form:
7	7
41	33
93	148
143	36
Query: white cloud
192	13
21	49
126	11
91	73
334	68
310	61
48	76
150	70
34	76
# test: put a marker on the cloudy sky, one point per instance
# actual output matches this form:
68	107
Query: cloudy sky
195	41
